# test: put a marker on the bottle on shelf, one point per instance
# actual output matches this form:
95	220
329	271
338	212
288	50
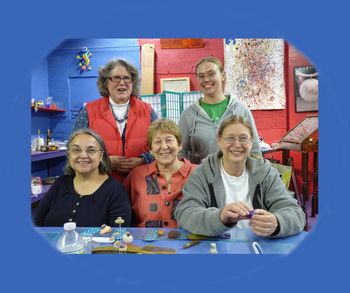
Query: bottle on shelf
39	141
48	137
70	242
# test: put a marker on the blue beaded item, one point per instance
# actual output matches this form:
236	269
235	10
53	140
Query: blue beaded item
151	235
90	232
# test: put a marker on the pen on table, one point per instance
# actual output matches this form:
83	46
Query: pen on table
257	249
192	243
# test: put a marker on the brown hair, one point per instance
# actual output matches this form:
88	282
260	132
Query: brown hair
214	60
211	59
104	73
235	119
165	126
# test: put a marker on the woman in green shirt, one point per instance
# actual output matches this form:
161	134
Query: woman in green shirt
200	121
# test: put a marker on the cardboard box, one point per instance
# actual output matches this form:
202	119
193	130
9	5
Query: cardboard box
147	69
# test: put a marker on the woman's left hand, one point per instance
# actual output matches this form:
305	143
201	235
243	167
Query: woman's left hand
134	162
125	165
263	223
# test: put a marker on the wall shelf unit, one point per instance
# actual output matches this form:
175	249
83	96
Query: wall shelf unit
51	110
39	156
44	164
38	197
48	156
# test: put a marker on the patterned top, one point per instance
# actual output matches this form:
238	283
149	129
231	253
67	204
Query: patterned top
153	198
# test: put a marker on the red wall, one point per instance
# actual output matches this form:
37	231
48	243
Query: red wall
296	58
271	124
181	62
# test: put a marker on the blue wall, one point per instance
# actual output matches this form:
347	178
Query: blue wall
39	81
40	91
61	77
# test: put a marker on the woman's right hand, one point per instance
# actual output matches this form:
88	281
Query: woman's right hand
234	212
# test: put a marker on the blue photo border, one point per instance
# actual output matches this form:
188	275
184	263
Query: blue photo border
31	29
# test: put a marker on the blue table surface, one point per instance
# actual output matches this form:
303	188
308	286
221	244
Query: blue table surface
239	241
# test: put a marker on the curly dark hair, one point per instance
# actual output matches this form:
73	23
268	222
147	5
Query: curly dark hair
104	73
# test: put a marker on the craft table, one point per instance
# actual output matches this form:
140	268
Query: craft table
239	241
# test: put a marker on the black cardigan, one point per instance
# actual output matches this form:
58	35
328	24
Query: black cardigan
62	203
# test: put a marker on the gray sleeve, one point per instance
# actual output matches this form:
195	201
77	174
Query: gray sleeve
289	214
256	142
186	141
82	120
193	212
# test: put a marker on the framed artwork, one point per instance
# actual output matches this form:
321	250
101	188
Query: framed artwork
306	88
255	72
176	84
302	130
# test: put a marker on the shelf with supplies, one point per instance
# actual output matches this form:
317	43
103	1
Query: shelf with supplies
38	197
39	156
48	159
46	109
48	155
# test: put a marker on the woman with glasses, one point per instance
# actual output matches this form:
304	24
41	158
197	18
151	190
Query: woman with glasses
200	121
86	194
155	189
235	188
119	117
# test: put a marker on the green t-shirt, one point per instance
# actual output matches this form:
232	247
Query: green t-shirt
215	111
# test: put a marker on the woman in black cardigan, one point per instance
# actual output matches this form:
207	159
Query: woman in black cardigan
86	194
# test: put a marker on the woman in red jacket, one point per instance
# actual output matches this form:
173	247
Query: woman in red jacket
119	117
155	189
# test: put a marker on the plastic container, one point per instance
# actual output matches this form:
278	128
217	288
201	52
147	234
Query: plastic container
39	141
70	241
48	102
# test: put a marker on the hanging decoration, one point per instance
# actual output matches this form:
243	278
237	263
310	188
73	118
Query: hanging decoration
84	59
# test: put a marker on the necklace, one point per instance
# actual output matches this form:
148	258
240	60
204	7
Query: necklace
168	176
120	120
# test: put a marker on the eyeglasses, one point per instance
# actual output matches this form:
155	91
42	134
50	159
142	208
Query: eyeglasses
210	75
90	151
232	139
117	79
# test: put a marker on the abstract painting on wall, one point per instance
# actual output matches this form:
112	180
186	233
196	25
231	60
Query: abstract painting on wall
255	72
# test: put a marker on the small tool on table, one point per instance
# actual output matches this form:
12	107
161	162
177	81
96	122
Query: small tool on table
257	249
190	244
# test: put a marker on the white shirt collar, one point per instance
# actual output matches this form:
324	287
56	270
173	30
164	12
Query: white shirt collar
114	104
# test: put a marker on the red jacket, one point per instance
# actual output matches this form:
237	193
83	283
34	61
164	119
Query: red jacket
102	121
153	205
